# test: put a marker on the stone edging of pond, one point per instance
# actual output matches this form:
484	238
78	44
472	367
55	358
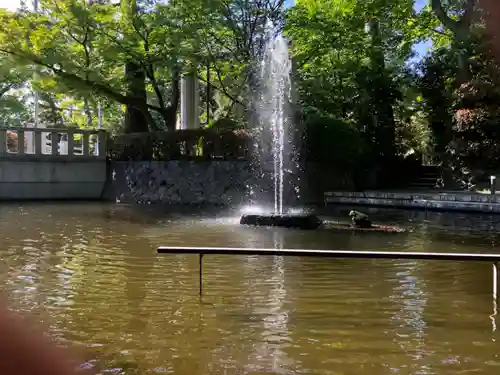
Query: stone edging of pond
442	201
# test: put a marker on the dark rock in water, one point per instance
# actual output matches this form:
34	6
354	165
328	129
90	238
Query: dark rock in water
374	228
360	220
285	221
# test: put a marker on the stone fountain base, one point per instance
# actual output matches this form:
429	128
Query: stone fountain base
286	221
311	222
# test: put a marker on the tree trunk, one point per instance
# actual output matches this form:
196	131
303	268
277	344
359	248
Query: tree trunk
88	112
490	13
136	118
169	113
461	31
382	103
461	36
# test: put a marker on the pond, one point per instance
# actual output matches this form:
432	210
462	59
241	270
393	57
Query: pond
91	274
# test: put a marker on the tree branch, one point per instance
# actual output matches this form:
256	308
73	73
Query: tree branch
468	15
89	84
224	91
5	89
439	11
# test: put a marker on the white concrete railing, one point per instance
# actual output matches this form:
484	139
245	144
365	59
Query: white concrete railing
38	142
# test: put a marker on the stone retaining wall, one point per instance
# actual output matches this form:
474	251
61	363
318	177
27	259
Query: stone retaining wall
211	183
179	182
447	201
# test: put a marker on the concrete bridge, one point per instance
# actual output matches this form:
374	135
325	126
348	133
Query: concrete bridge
52	164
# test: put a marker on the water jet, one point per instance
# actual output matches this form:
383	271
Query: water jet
274	143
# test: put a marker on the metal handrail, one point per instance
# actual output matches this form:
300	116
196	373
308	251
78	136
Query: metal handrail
201	251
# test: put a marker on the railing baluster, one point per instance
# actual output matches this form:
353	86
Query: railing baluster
71	142
54	143
101	144
38	142
58	142
20	142
3	142
86	144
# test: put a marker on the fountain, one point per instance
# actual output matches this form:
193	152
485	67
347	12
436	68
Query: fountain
275	145
273	108
274	136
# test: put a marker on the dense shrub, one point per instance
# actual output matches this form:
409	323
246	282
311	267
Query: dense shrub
196	144
12	141
475	146
332	141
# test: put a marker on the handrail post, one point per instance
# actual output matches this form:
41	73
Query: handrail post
495	281
201	274
495	296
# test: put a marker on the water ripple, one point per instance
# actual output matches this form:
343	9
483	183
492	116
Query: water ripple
94	278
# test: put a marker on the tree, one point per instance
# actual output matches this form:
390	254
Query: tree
88	51
350	56
230	42
13	111
457	16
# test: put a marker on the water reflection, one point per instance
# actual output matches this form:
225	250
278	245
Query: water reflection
493	316
91	274
269	354
409	292
409	322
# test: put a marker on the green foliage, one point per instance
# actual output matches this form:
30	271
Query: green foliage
225	123
13	111
202	144
350	59
475	143
361	101
413	135
82	49
333	142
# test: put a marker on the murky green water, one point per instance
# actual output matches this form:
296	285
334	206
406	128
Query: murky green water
91	274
